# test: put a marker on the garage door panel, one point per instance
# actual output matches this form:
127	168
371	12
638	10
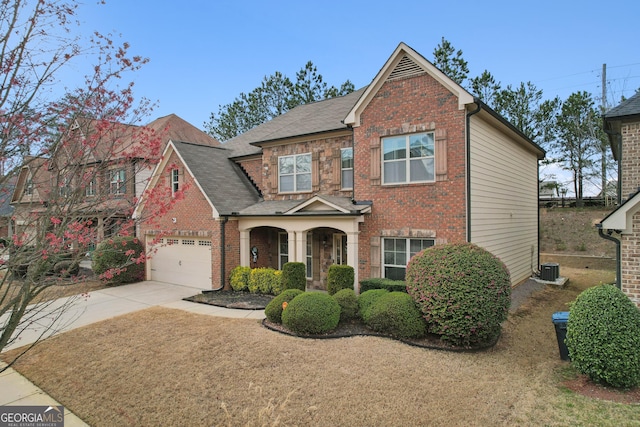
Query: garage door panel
182	261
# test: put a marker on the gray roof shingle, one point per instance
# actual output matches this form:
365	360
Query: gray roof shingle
222	180
306	119
629	107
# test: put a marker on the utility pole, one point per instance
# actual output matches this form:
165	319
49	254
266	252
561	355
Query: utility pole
603	143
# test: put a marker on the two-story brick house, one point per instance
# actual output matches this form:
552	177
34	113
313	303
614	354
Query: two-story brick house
97	172
368	180
622	124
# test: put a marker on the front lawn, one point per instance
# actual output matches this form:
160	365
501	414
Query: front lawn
169	367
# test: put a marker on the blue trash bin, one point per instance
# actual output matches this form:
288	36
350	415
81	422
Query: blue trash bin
560	319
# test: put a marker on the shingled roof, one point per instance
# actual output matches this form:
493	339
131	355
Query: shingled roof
222	180
629	107
307	119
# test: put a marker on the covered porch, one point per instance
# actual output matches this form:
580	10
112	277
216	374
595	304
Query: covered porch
316	232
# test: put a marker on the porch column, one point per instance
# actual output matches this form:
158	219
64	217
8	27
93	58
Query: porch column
245	249
301	247
352	257
292	245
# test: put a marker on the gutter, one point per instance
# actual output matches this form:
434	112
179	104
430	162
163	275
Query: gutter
223	271
468	143
608	236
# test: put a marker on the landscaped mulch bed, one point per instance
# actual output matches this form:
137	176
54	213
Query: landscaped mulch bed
250	301
232	299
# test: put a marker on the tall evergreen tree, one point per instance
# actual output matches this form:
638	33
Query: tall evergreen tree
450	62
578	140
276	95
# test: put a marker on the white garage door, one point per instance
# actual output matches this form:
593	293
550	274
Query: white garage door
184	261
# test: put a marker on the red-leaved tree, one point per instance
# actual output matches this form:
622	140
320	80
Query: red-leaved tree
73	160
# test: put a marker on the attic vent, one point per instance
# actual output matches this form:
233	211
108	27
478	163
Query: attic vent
405	68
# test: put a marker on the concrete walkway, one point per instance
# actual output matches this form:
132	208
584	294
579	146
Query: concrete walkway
16	390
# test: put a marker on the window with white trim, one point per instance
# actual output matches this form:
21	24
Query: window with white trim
28	186
65	186
294	173
283	249
175	181
188	242
117	182
309	255
346	168
340	249
397	252
90	188
408	158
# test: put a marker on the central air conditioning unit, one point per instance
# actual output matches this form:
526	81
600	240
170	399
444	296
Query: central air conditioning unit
550	271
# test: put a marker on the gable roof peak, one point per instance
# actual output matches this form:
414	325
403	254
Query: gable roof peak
405	62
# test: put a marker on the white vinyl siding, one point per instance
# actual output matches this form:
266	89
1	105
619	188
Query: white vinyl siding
504	198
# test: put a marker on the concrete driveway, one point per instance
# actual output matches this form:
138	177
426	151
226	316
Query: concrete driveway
75	312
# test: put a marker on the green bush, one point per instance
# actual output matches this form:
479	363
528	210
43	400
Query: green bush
382	283
66	268
462	290
239	279
311	313
276	286
264	281
117	260
339	277
396	314
603	336
366	301
273	310
294	276
348	304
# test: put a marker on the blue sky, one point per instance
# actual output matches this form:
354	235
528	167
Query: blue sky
204	53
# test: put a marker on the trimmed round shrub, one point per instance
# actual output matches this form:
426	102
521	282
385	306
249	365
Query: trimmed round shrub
263	281
339	277
396	314
273	310
382	283
348	304
239	279
462	290
117	260
603	336
294	276
66	268
366	301
311	313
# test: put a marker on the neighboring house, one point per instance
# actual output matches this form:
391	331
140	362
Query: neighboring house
368	179
622	124
99	171
6	210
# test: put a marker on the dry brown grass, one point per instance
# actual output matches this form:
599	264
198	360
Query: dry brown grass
168	367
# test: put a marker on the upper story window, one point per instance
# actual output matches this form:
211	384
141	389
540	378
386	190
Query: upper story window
90	188
65	186
346	167
408	158
294	173
28	186
175	181
117	182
